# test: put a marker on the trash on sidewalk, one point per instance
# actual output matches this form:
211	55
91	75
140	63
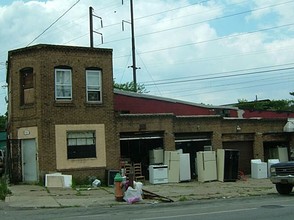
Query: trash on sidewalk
58	180
133	195
151	195
96	183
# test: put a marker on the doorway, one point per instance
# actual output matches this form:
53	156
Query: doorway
29	160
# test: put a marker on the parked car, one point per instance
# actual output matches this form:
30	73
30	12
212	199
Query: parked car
282	175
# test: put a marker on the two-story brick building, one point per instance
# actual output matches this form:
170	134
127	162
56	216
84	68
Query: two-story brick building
65	117
61	111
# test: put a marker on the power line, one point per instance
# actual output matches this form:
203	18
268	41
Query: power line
220	77
208	20
244	87
53	23
288	76
217	18
219	38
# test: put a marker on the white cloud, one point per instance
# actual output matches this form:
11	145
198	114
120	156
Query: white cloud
182	40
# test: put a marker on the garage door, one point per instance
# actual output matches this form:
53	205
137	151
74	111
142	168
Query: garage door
246	153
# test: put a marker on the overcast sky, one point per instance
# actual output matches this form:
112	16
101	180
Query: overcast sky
212	52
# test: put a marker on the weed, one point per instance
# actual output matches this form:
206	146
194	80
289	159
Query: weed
183	198
4	191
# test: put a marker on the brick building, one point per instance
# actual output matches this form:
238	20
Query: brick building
60	101
65	117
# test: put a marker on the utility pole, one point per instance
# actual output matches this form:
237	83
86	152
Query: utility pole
91	26
91	15
133	46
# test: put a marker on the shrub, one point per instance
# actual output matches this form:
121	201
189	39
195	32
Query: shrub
4	191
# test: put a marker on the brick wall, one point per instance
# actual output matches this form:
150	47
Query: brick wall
46	112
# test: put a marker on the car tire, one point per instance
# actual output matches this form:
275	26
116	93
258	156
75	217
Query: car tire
284	189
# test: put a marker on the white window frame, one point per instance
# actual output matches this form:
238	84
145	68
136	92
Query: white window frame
67	84
92	86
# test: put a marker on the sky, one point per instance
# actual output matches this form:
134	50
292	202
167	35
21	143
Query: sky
213	52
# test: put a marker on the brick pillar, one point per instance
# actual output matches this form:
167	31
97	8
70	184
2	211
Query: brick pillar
169	141
258	152
216	141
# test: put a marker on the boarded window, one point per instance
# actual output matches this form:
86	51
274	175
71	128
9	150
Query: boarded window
27	86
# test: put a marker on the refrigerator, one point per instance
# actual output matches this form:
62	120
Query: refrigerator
280	153
227	165
206	166
156	156
185	169
172	160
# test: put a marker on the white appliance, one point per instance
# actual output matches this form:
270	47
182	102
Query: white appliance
280	153
206	166
172	160
207	148
156	156
270	162
158	174
258	169
185	170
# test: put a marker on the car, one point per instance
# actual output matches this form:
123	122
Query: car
282	175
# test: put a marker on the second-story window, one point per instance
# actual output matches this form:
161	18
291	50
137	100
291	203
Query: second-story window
93	87
63	84
27	86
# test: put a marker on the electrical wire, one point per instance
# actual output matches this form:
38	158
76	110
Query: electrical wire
214	76
219	38
53	23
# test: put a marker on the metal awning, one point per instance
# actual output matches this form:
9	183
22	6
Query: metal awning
193	140
139	138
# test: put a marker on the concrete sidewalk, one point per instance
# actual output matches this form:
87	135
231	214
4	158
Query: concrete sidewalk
34	196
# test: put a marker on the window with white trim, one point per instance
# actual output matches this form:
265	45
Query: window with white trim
93	86
63	84
81	144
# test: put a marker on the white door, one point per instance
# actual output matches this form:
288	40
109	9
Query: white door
29	160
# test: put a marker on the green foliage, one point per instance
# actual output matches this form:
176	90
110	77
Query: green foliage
270	105
3	119
4	191
130	86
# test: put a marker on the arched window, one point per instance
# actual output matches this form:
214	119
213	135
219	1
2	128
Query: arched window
27	91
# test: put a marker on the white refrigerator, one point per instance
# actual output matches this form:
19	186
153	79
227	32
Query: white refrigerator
156	156
172	160
206	166
185	170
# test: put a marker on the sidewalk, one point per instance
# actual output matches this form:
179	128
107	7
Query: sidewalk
33	196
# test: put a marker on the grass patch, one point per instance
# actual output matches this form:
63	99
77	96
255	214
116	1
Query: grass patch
183	198
4	191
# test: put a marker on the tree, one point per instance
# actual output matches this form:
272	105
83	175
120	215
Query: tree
129	86
271	105
3	119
